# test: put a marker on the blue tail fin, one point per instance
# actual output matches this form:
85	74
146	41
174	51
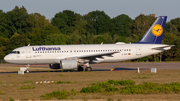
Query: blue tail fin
155	33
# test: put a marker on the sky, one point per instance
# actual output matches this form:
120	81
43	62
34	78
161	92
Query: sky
112	8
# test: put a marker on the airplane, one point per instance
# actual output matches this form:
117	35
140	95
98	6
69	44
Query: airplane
76	56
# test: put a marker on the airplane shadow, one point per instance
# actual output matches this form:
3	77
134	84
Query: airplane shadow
119	68
50	71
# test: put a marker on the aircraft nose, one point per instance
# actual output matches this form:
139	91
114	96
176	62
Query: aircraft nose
7	58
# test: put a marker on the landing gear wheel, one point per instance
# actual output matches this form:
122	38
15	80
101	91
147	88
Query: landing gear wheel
27	71
80	68
88	69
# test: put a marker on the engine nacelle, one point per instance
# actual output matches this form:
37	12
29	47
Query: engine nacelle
54	66
68	64
64	64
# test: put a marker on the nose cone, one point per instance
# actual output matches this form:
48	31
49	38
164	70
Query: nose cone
7	58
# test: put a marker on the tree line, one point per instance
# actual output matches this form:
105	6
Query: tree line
18	28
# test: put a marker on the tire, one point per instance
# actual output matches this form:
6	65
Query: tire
88	69
80	68
27	71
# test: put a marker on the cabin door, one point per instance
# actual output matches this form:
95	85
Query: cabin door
28	52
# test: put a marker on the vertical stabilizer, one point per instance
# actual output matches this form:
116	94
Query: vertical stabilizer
155	33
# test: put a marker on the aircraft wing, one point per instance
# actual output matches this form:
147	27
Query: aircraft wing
93	56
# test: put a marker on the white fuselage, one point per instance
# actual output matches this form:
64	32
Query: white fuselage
51	54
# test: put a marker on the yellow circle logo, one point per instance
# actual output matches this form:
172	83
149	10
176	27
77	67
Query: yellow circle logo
157	30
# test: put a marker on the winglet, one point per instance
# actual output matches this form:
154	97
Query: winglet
155	33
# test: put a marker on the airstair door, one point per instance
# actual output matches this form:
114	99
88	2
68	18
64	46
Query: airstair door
138	50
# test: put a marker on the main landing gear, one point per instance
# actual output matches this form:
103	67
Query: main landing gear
80	68
88	68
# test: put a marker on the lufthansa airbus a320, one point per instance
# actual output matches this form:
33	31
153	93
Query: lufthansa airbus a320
77	56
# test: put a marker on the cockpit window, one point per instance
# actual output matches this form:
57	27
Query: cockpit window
15	52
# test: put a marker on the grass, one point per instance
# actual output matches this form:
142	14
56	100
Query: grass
27	87
126	87
1	93
57	94
11	99
59	82
27	82
144	77
11	83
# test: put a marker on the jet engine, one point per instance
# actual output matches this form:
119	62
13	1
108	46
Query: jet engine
64	64
68	64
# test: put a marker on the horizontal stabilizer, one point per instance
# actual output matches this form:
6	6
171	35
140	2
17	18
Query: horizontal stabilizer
162	47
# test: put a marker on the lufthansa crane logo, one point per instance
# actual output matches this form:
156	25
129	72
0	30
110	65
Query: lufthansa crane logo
157	30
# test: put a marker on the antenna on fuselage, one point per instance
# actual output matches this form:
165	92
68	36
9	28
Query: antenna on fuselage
28	44
101	43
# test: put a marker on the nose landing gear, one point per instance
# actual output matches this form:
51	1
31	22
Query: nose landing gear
24	69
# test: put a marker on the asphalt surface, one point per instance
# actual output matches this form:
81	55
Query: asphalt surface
134	66
121	66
